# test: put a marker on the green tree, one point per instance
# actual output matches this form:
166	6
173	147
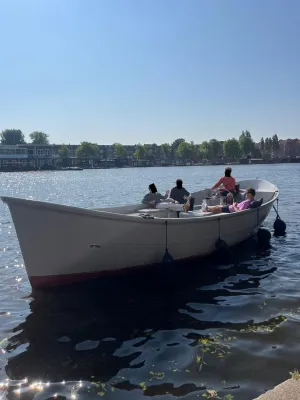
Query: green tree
87	150
256	153
206	150
147	148
140	151
232	148
184	150
174	146
262	145
119	150
198	153
12	137
39	138
246	143
268	147
193	151
166	150
63	151
275	144
216	148
154	150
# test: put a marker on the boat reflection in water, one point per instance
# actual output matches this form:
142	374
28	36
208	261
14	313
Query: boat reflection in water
140	332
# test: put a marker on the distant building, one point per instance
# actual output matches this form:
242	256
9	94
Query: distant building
13	157
40	155
45	155
289	148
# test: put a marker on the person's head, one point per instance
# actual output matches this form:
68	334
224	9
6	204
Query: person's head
152	188
179	183
228	171
250	194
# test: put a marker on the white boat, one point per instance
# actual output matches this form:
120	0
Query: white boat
62	244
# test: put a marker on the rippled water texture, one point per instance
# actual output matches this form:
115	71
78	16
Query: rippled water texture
165	333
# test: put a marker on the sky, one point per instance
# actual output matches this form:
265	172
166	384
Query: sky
150	71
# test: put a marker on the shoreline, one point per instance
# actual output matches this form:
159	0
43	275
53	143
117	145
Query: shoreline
80	168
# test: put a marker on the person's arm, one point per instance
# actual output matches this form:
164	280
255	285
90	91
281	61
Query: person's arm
244	205
165	196
146	199
236	209
187	195
216	185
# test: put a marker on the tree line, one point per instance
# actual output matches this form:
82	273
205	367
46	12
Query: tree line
243	147
213	149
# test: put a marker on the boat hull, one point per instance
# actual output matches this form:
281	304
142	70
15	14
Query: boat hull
62	244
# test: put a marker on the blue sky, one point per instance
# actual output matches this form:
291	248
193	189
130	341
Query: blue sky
150	70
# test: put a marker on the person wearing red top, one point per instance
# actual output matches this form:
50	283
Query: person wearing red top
228	182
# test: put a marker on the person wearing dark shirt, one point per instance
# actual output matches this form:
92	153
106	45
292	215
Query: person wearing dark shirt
181	196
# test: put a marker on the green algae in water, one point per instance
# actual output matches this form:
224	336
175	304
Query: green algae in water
263	327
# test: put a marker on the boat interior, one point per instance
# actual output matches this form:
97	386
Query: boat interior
264	190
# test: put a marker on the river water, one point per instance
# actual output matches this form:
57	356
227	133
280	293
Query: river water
168	333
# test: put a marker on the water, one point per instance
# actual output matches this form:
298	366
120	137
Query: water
168	333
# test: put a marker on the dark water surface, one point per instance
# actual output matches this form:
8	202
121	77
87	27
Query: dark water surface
166	333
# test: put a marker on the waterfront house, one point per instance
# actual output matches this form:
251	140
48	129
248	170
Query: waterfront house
13	158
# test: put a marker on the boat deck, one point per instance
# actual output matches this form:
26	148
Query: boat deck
169	213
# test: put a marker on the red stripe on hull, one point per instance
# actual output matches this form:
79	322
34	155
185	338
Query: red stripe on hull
55	280
66	279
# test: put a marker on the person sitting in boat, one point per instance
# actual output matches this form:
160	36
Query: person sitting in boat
153	197
228	184
235	207
156	200
179	195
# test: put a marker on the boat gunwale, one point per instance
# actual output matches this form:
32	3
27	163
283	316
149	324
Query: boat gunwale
61	208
